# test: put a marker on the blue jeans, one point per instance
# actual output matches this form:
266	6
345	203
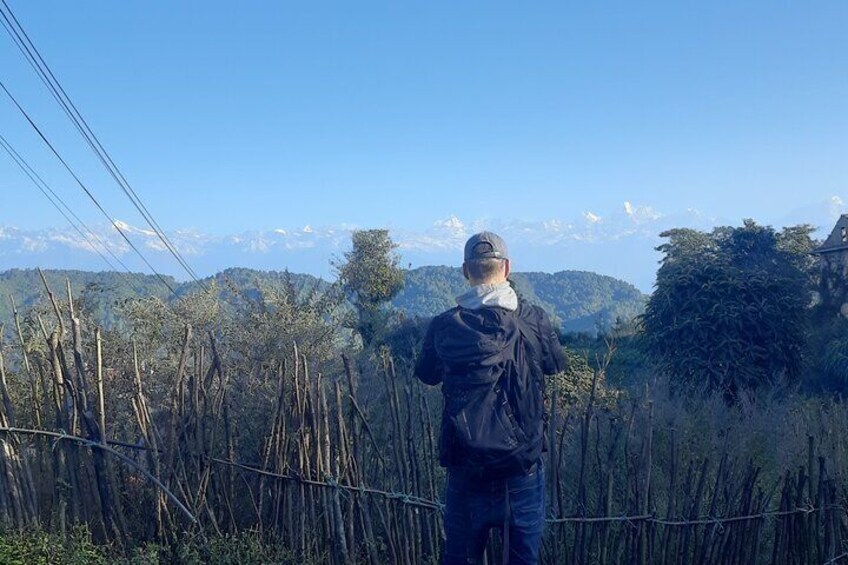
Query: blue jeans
474	506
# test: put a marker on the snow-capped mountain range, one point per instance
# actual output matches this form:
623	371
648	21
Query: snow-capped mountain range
620	244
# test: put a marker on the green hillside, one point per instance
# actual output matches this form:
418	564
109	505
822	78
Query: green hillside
100	290
579	301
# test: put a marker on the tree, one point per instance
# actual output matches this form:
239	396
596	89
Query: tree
729	306
371	277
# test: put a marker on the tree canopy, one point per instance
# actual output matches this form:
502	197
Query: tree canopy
370	275
729	307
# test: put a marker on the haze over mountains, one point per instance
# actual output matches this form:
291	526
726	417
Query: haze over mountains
619	244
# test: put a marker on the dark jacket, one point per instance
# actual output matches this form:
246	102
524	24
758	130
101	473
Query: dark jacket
465	344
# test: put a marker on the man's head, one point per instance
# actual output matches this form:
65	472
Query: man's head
486	259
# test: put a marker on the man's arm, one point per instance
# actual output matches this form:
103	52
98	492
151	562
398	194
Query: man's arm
429	368
553	357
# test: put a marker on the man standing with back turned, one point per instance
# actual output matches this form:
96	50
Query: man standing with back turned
491	353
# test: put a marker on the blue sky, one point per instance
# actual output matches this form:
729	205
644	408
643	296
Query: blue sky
229	117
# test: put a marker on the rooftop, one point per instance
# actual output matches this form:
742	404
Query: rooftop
838	239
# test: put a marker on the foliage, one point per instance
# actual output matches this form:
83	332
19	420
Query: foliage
834	363
371	277
99	291
829	352
37	547
404	340
259	318
225	549
574	385
628	367
729	308
255	334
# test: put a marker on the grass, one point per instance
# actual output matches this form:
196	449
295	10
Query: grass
38	547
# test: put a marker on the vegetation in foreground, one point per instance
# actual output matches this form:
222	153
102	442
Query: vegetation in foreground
280	382
38	547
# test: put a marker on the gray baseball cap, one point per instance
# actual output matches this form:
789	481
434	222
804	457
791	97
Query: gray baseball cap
485	245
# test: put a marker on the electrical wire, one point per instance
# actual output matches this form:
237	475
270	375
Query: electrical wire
86	190
37	62
81	228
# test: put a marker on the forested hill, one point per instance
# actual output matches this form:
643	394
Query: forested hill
100	290
577	300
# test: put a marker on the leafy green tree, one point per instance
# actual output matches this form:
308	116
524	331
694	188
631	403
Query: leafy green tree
370	276
729	307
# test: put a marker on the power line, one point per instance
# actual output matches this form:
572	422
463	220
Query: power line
86	190
67	212
20	165
37	62
87	233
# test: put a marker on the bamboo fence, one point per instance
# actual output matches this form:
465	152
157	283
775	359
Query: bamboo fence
346	470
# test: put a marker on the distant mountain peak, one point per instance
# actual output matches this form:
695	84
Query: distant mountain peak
621	243
592	218
641	214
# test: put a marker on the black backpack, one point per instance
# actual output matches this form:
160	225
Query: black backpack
494	415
